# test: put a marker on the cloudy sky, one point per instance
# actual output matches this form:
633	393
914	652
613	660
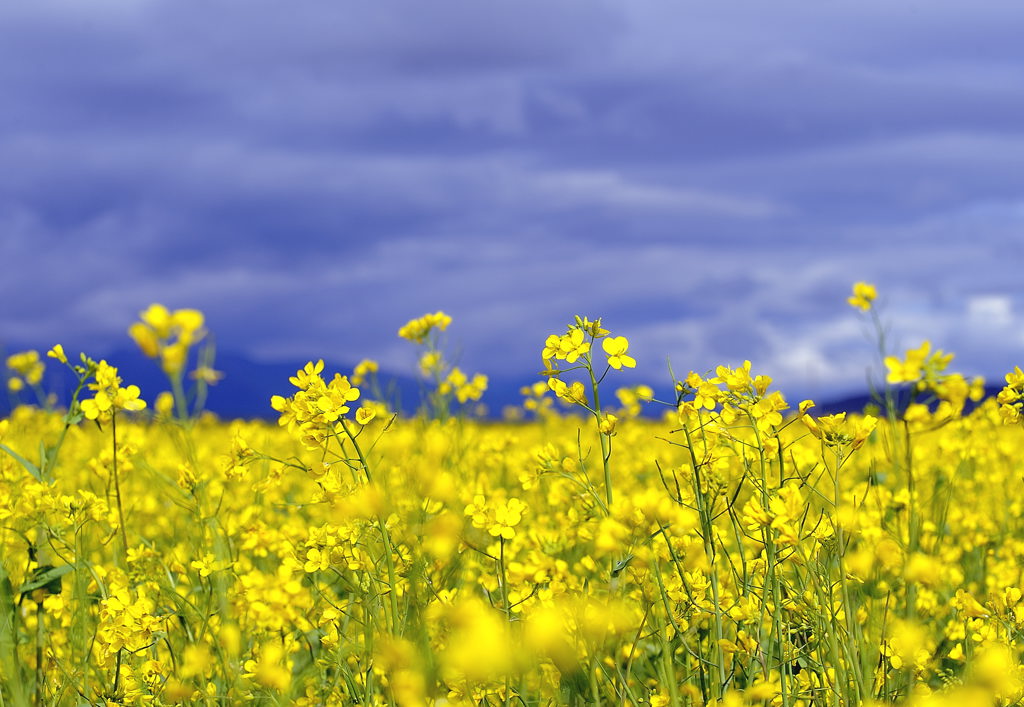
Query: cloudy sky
710	178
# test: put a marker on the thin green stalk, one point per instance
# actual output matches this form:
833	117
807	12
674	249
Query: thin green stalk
606	451
117	489
594	690
853	649
40	675
385	535
707	533
504	601
773	570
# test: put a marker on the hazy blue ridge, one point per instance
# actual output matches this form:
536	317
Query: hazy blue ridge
247	386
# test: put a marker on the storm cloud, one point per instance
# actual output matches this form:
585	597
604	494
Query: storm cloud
711	179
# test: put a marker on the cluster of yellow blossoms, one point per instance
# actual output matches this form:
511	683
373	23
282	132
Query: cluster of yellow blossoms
168	335
417	330
449	381
109	396
733	551
26	368
314	412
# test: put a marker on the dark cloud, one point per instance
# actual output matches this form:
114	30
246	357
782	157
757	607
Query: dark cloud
710	179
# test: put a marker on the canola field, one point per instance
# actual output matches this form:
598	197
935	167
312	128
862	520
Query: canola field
731	548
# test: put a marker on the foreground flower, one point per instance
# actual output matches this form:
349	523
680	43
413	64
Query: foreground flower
568	347
57	352
615	347
836	430
109	396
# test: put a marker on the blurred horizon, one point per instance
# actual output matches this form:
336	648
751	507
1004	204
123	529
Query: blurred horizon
246	387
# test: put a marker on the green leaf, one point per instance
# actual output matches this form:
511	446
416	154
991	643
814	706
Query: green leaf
29	466
46	578
9	643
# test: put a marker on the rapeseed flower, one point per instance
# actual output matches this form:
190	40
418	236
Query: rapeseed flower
616	347
863	295
417	330
28	369
331	560
109	396
168	335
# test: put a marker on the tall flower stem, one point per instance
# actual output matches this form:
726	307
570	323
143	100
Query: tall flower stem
117	488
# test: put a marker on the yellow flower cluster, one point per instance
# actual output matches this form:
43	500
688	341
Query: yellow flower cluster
109	396
26	368
417	330
920	366
449	381
498	520
731	552
463	387
836	430
313	412
168	335
863	295
1011	397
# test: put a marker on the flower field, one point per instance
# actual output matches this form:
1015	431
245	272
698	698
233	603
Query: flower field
600	546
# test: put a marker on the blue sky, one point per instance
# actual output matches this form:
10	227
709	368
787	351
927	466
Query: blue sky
710	178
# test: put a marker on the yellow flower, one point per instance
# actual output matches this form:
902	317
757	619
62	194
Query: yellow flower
145	338
364	415
919	366
363	370
575	393
465	389
506	518
189	323
607	424
28	365
478	511
109	396
271	669
430	363
57	352
615	347
164	403
197	660
572	346
863	295
206	374
158	318
168	335
417	330
568	347
836	430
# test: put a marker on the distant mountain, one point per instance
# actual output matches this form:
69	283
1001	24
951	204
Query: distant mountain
247	386
857	403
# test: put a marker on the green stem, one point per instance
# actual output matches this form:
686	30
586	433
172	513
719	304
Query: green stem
504	600
385	535
606	451
39	653
707	531
178	390
117	489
